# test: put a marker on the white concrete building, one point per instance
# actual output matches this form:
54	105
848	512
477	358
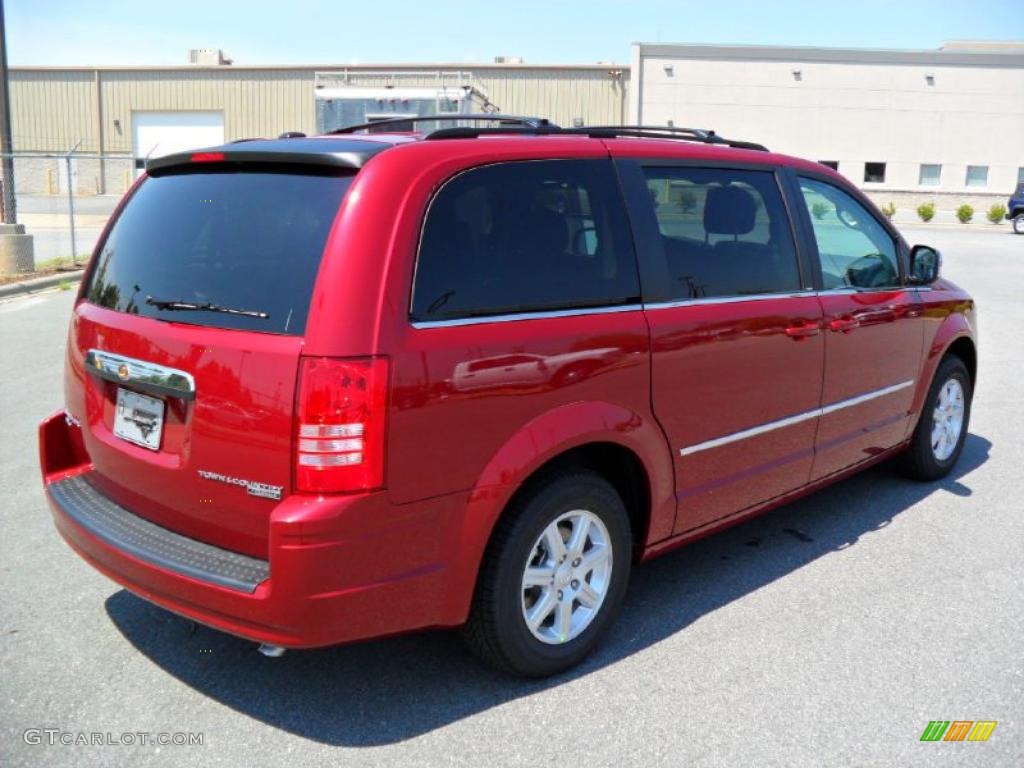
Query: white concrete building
907	126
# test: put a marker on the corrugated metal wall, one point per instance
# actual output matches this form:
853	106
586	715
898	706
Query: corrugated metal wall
52	109
560	95
254	102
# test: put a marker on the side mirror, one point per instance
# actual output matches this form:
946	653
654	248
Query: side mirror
925	264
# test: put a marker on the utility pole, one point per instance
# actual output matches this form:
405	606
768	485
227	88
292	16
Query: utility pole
16	247
10	213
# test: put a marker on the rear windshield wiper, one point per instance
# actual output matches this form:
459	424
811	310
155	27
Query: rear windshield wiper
202	306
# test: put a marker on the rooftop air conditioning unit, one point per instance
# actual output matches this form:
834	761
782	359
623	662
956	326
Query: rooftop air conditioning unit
207	57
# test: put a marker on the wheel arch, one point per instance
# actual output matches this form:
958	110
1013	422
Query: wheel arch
964	348
626	448
955	336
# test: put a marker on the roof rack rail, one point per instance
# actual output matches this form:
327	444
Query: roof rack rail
700	135
517	120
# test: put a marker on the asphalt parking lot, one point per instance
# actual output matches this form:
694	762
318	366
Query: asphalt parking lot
827	633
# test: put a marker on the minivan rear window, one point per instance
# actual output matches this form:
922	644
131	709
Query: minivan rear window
248	242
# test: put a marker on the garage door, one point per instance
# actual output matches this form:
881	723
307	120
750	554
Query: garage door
162	133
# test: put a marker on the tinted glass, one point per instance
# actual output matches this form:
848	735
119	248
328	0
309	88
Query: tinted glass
249	241
977	175
854	248
526	236
929	175
874	173
725	232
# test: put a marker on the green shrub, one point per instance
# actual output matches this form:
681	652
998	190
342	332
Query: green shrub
996	213
926	211
819	209
965	213
889	209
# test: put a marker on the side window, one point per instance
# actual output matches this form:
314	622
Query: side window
725	232
525	236
854	248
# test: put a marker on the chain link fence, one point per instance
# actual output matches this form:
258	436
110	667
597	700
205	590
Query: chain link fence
63	201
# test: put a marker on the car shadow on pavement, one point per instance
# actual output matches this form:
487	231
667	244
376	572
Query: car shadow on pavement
389	690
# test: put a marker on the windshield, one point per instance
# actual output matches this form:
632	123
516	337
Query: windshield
189	246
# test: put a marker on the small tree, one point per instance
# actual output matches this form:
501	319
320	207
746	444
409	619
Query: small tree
926	211
889	209
965	213
996	213
819	209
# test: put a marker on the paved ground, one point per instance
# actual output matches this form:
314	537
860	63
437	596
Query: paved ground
46	218
827	633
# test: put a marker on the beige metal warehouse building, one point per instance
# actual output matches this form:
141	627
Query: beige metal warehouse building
102	110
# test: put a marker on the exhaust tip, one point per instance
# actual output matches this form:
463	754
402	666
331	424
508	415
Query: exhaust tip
271	651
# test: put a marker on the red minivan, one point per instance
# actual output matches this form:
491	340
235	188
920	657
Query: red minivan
330	388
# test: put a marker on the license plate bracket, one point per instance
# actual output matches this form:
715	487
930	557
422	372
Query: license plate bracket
139	419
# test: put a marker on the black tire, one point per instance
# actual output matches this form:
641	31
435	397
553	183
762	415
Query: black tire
1018	223
920	461
497	631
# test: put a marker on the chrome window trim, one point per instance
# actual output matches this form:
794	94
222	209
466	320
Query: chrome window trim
140	374
671	303
767	296
539	315
761	429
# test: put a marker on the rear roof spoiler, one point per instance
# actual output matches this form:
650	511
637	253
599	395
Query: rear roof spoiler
321	152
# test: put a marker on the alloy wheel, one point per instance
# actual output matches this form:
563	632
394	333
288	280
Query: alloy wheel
947	419
566	577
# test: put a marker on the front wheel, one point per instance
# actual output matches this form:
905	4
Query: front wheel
1018	223
553	576
942	428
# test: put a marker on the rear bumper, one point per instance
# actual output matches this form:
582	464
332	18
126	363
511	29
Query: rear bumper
339	569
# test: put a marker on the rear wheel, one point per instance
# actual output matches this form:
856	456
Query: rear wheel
942	428
1018	223
553	576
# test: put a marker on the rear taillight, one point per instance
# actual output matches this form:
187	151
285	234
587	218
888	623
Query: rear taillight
341	408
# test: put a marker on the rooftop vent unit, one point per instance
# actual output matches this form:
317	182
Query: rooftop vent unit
509	60
207	57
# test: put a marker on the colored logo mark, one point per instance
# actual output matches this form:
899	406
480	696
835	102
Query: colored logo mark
958	730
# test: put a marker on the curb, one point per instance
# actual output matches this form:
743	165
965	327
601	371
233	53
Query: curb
1005	227
39	283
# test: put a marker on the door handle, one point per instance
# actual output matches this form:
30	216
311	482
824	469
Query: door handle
885	314
843	323
801	331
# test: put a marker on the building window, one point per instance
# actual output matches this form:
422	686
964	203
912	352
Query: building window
977	175
929	175
874	173
833	164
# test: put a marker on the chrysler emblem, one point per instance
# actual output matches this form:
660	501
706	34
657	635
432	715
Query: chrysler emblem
122	371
